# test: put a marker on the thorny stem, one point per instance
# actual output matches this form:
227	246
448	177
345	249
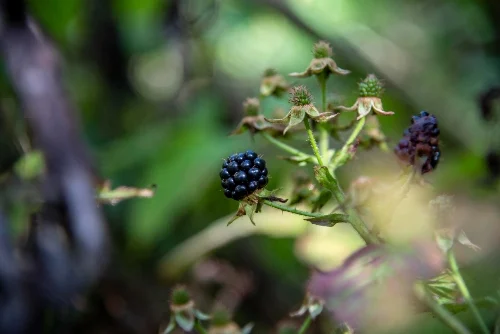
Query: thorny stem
305	325
291	210
355	220
286	147
323	131
442	313
199	328
343	153
312	141
465	291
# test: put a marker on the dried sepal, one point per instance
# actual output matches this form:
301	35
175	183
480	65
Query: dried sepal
364	105
322	63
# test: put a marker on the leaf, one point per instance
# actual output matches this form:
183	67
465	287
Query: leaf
329	220
323	198
185	321
195	138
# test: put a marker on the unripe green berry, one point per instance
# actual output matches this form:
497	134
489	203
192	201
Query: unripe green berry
371	86
180	296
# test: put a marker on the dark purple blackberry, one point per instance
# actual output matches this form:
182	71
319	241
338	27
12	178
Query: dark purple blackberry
421	139
242	174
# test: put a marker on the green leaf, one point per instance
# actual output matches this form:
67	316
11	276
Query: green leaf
329	220
180	178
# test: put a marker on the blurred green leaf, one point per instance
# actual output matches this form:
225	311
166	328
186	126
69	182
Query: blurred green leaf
181	169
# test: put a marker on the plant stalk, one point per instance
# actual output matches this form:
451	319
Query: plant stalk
305	325
323	131
355	220
312	141
342	155
291	210
286	147
465	291
199	328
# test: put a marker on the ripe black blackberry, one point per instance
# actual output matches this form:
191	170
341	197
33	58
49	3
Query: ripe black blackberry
242	174
421	139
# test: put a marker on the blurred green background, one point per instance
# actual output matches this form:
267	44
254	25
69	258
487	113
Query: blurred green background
159	86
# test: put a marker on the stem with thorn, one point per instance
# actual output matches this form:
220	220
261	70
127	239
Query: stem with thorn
312	141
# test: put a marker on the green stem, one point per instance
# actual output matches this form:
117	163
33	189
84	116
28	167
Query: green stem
438	310
286	147
291	210
323	130
465	291
305	325
355	220
343	154
199	328
312	141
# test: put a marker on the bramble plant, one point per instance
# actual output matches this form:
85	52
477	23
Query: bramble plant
425	274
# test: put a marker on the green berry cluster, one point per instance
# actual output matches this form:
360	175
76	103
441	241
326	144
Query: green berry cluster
371	87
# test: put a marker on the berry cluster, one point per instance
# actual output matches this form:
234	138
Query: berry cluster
421	139
242	174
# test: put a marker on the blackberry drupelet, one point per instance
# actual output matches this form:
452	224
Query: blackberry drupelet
242	174
421	139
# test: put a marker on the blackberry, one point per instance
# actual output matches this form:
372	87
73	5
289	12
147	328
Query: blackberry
242	174
421	139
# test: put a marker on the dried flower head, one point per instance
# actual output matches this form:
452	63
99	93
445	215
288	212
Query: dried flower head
300	96
251	106
273	84
253	121
184	313
322	49
302	106
322	63
370	91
